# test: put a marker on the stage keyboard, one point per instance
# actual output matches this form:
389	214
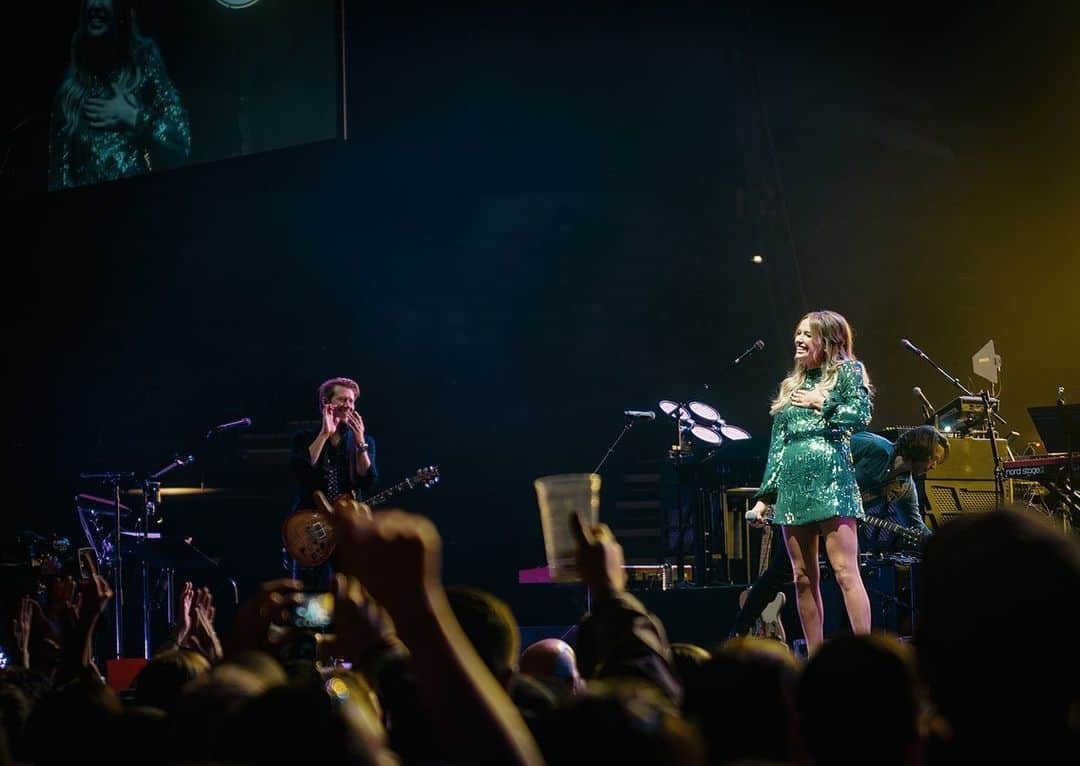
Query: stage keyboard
1039	466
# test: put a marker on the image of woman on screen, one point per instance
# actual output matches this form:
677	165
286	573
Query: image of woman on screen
116	114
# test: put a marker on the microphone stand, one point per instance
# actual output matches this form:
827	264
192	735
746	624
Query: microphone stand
611	449
737	361
999	472
626	427
1072	493
679	452
954	380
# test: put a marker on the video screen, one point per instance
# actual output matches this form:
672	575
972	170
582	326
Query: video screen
143	86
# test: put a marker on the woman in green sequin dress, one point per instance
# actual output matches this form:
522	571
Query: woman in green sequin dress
116	114
809	475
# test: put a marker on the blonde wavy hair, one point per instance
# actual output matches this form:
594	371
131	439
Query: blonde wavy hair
116	55
837	347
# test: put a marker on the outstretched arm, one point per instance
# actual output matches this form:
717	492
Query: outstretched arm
397	558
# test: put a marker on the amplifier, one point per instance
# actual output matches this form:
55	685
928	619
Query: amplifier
965	482
963	415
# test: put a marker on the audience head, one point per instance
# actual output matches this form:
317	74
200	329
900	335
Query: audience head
159	683
742	699
332	723
15	710
868	685
200	714
624	721
490	626
688	659
70	719
989	581
552	661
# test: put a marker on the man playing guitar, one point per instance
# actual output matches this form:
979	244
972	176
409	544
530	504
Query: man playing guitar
338	460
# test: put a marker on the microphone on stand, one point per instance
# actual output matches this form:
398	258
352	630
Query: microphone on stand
639	414
758	345
241	423
928	409
913	348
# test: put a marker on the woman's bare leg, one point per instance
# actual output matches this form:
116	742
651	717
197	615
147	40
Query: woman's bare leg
842	548
802	546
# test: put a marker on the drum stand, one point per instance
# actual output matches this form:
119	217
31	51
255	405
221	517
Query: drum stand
114	480
151	493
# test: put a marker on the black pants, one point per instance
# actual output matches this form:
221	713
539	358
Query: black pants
777	574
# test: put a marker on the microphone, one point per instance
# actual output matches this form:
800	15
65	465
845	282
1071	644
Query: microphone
912	348
639	415
752	518
758	345
241	423
928	409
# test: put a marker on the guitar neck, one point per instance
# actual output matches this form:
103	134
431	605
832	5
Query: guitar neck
896	529
913	535
389	492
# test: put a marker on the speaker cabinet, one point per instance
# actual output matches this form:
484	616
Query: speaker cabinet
965	483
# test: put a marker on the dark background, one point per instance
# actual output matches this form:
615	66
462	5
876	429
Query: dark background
545	214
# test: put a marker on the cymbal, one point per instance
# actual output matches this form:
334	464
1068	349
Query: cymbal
706	434
667	407
704	411
167	491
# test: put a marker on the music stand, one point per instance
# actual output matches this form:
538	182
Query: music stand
1058	426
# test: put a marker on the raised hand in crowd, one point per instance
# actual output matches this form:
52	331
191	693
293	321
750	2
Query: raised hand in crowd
203	637
22	628
361	624
183	613
84	610
397	557
251	629
620	638
600	560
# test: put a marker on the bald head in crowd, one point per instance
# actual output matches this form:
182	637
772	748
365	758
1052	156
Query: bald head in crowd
553	661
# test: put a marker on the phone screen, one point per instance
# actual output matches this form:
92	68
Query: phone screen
312	611
88	563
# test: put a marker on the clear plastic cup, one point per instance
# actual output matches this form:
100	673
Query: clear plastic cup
559	498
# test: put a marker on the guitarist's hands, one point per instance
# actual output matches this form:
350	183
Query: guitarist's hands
356	425
329	420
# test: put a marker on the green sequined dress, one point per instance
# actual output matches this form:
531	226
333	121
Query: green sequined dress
809	474
81	154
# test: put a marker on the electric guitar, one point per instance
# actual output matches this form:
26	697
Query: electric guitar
768	624
914	536
309	534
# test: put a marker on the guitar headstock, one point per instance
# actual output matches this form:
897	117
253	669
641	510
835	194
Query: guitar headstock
426	477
